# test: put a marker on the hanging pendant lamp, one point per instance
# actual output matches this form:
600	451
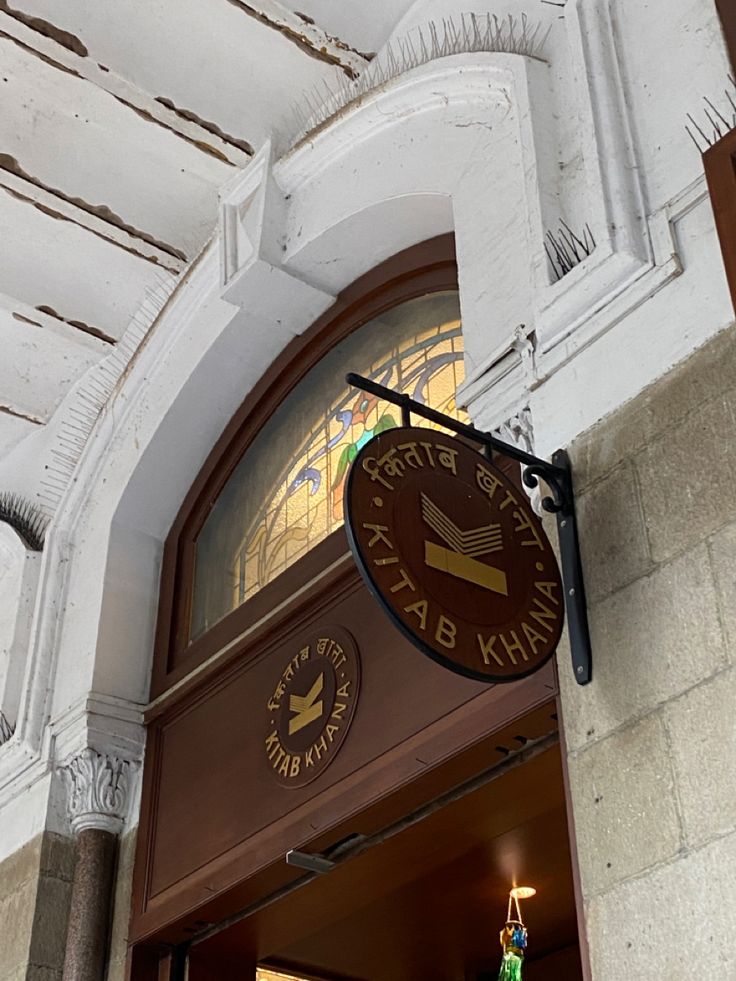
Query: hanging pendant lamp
514	936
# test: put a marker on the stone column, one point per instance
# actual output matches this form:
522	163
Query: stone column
99	785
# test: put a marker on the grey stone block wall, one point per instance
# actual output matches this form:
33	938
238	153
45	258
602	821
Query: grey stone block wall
35	888
651	742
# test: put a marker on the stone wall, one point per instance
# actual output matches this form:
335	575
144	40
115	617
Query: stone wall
121	907
652	740
35	887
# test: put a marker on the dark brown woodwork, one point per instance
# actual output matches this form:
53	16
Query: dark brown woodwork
727	11
214	818
423	269
430	902
149	963
202	967
720	170
454	554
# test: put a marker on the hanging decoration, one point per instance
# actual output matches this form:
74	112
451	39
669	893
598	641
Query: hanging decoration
514	936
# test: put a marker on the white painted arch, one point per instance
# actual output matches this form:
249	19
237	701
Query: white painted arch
425	154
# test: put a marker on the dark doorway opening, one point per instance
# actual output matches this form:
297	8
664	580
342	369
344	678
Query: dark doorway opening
429	902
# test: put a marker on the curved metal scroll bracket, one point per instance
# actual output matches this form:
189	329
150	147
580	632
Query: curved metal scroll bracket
553	504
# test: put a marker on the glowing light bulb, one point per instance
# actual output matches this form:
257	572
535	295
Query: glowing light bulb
523	892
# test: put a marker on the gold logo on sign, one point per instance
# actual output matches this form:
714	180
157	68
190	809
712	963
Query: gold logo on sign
311	706
306	709
459	559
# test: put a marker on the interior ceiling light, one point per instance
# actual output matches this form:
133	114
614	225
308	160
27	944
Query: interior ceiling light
523	892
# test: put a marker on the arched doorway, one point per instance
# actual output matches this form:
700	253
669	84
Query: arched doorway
289	715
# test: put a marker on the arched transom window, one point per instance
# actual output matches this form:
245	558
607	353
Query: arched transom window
286	493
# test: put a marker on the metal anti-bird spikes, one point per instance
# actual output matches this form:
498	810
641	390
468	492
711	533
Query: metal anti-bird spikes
471	34
720	123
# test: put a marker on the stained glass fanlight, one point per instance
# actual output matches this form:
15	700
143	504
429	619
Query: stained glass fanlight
285	495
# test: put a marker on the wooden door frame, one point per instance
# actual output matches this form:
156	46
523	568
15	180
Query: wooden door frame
720	171
150	954
727	13
425	268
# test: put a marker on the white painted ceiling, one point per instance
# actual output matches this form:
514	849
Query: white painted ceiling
119	121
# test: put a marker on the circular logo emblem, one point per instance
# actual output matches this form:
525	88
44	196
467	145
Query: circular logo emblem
453	552
312	706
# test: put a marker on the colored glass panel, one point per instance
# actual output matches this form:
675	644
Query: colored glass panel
286	494
263	974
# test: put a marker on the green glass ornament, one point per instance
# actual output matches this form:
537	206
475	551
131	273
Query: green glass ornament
514	937
513	941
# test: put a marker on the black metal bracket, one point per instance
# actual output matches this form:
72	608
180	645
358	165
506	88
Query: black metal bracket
557	475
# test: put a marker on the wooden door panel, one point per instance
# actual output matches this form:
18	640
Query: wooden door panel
217	787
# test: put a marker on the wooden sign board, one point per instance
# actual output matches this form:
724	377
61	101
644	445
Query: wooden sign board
453	552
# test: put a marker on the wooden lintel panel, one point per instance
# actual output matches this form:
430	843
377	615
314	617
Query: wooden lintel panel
215	818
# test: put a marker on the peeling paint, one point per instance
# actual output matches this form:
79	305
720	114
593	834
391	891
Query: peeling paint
149	117
101	211
58	216
8	410
199	144
301	40
78	324
26	320
40	56
206	125
69	41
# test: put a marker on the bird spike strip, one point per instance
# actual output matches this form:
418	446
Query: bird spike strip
718	123
94	392
27	520
471	33
565	249
6	729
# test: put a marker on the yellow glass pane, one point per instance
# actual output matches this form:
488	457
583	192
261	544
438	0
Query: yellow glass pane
262	974
286	494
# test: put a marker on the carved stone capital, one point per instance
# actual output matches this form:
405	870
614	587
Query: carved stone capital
98	791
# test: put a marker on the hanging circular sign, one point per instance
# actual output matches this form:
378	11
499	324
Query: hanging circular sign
453	552
312	706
